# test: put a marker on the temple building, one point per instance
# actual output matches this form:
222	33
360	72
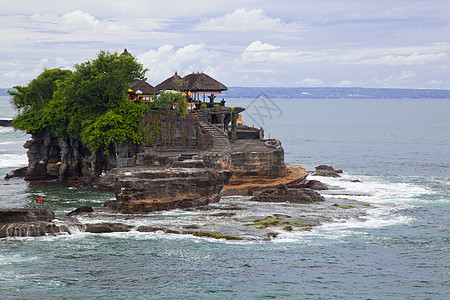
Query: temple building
174	82
214	117
141	92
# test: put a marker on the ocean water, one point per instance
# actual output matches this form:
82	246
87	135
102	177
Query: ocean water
390	242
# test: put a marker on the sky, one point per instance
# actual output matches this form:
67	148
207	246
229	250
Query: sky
285	43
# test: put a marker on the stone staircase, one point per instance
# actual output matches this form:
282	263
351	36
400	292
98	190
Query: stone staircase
220	140
202	116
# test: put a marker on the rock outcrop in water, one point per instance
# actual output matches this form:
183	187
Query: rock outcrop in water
326	171
146	190
80	210
19	172
26	222
315	185
5	123
292	195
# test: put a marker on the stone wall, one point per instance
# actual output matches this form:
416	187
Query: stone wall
173	132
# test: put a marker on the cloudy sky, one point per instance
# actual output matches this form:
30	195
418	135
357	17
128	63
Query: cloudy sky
339	43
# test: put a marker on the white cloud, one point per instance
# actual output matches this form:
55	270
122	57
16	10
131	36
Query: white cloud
60	62
434	82
69	22
163	62
246	20
258	52
407	75
259	46
413	58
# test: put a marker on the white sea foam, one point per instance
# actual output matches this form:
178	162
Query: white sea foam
386	196
337	231
4	129
15	258
13	160
375	189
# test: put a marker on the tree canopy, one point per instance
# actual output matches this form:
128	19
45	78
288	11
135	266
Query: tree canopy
89	103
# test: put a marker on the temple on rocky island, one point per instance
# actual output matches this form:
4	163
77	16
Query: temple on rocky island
195	159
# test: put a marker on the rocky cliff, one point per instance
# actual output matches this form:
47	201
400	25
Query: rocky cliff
145	190
63	159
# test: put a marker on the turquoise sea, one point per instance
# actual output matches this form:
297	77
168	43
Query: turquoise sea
396	248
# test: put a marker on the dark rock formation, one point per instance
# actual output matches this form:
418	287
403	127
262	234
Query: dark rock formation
298	182
30	229
62	159
20	172
5	123
26	222
144	190
292	195
207	234
79	210
326	171
315	185
107	227
25	215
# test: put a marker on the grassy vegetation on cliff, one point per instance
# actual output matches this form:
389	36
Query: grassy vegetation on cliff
89	103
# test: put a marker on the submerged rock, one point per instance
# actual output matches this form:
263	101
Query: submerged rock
29	229
326	171
79	210
20	172
27	222
207	234
292	195
6	122
26	215
107	227
316	185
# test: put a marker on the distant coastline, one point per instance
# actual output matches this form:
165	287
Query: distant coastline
335	92
325	93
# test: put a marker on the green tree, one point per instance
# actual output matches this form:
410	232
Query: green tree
90	103
168	101
117	125
98	86
31	100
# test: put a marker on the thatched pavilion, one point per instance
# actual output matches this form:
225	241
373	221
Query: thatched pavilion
174	82
141	91
201	83
193	84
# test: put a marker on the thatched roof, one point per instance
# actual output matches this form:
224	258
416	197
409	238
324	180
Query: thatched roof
200	82
126	53
144	87
171	83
